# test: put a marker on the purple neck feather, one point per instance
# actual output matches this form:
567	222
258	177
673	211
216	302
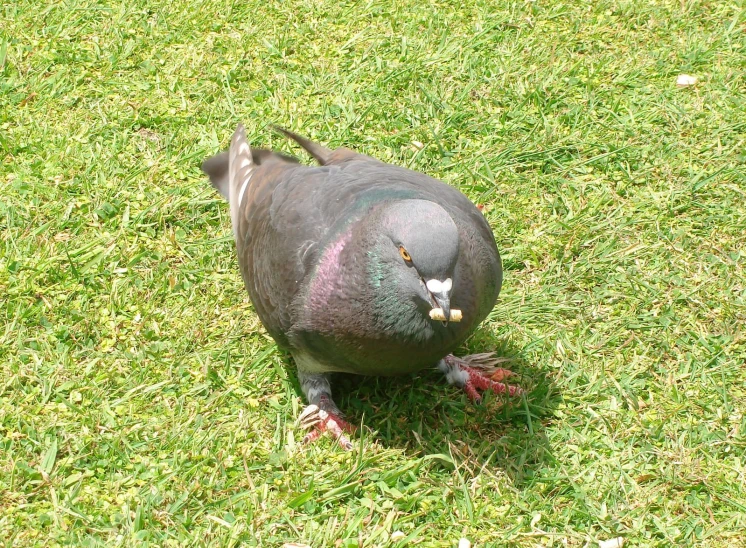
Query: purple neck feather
327	276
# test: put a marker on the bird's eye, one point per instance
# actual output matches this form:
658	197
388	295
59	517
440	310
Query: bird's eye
404	254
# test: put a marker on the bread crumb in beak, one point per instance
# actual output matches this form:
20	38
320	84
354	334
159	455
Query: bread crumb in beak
437	314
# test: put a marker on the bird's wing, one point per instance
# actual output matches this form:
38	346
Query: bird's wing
283	216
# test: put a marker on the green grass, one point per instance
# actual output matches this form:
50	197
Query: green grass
140	400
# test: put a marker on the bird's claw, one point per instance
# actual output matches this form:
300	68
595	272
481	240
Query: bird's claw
310	417
483	374
318	420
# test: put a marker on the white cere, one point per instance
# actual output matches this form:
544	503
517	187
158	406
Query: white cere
436	286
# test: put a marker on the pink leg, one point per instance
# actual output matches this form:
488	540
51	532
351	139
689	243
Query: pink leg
321	419
478	372
477	380
322	415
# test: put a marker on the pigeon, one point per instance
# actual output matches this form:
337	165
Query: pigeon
359	266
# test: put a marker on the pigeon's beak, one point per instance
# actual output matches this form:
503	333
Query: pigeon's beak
440	292
444	301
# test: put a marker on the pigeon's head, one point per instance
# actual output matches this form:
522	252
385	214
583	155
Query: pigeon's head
420	243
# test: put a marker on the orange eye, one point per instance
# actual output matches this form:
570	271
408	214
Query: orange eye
404	254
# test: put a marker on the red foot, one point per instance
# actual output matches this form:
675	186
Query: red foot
483	375
500	374
322	421
479	381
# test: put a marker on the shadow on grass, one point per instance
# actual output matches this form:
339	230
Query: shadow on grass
424	415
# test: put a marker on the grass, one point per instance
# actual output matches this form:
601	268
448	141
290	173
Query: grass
140	399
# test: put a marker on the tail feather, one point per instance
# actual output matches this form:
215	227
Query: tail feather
216	168
240	169
319	152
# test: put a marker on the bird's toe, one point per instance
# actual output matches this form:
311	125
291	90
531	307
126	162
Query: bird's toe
479	372
319	421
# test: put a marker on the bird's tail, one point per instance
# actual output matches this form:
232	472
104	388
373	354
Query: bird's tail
217	167
241	168
320	153
230	172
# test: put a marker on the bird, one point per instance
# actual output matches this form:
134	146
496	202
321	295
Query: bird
359	266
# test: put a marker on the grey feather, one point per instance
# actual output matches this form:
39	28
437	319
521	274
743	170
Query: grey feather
320	153
216	167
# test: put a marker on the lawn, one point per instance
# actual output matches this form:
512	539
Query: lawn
142	401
